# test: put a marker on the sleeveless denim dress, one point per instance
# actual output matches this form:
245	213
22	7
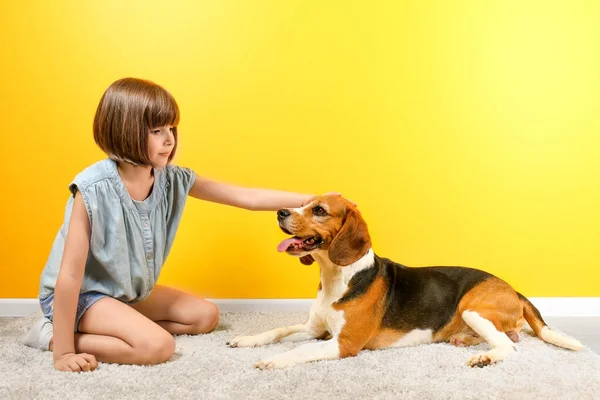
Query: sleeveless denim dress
130	240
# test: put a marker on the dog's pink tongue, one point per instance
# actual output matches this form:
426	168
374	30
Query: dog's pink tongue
283	246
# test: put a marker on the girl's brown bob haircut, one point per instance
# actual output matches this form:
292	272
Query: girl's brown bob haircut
128	110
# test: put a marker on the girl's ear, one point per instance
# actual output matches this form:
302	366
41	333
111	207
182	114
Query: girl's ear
352	241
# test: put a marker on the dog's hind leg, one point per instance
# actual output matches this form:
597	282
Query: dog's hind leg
492	308
502	345
465	339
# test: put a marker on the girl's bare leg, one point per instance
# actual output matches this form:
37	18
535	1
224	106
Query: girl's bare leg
179	312
116	333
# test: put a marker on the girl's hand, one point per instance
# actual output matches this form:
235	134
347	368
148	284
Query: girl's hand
72	362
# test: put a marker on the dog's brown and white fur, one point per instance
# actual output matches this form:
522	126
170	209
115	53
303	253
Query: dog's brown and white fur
368	302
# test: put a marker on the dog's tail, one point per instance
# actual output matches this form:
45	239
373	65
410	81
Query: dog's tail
541	330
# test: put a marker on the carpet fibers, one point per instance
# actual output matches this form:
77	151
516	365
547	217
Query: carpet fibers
203	367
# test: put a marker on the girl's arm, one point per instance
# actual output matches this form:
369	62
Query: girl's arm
66	292
249	198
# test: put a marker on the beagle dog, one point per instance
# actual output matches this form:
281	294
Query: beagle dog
368	302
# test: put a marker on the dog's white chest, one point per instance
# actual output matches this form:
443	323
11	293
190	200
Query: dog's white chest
323	311
334	281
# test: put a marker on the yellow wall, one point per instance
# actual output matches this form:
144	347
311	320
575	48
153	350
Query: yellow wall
467	132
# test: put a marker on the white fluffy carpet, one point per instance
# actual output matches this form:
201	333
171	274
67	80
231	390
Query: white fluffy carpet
205	368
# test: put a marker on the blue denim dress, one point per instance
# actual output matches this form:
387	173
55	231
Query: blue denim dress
130	239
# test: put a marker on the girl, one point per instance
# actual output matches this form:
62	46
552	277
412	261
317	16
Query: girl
97	290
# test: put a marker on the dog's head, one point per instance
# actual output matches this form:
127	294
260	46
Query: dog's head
329	224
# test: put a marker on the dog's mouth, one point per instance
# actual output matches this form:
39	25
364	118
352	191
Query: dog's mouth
298	244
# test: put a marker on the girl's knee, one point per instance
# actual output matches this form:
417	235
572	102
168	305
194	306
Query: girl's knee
208	319
156	349
213	318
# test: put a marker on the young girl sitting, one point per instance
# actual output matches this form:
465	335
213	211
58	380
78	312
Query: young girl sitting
98	290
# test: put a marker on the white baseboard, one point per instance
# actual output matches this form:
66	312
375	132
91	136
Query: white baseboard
548	306
18	307
23	307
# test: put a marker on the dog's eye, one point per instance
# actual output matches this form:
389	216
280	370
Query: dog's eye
319	211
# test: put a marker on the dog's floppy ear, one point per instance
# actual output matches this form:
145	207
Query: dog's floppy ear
352	241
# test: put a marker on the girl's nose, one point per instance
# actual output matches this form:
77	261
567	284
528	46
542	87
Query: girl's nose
170	138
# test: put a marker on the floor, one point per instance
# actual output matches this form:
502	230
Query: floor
585	329
204	367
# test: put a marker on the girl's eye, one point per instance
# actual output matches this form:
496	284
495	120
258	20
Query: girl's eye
320	211
156	131
172	129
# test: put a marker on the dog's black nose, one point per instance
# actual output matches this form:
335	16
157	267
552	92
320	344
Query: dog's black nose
283	214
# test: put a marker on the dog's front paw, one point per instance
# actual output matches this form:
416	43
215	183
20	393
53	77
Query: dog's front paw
244	341
274	363
265	364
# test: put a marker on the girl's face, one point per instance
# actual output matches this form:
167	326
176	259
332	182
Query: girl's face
160	144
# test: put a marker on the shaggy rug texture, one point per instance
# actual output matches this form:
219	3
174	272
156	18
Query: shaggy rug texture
205	368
